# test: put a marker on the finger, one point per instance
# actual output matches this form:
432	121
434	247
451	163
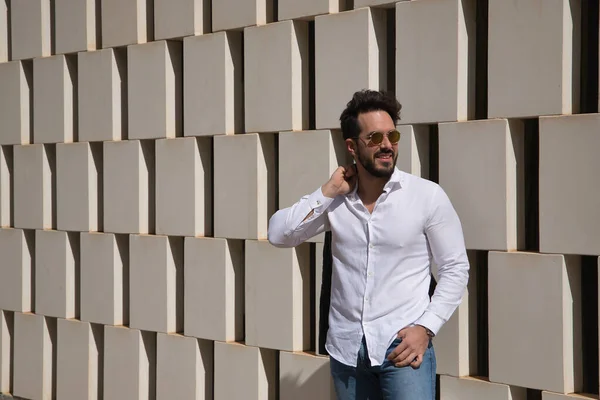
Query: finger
417	362
397	351
407	361
402	333
406	356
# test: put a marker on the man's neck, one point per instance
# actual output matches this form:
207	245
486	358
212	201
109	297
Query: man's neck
370	187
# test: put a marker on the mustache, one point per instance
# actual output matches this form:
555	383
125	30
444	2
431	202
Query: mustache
382	152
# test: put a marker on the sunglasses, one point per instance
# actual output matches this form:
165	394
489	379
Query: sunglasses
376	138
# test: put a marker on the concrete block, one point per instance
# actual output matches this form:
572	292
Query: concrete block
413	150
78	194
4	56
550	286
154	72
276	57
375	3
567	156
214	289
452	388
57	274
291	9
126	22
129	363
277	296
254	179
305	376
17	249
6	350
15	94
435	60
105	278
213	102
75	25
54	98
184	187
247	13
33	186
80	347
6	186
34	349
542	82
102	93
487	158
128	187
456	343
156	283
560	396
297	177
179	18
252	369
184	368
30	29
341	73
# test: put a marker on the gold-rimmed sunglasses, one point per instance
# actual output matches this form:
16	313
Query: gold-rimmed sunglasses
376	138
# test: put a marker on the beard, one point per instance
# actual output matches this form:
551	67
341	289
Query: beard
369	163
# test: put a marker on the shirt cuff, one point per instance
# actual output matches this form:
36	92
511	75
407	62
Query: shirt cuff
430	321
317	200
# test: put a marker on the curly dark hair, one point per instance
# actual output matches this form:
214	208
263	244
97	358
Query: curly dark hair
366	101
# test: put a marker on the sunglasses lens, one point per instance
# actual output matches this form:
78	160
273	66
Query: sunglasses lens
394	136
377	138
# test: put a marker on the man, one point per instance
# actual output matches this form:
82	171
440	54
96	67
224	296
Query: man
387	228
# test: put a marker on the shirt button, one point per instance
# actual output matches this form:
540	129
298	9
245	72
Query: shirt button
318	202
366	299
370	273
371	245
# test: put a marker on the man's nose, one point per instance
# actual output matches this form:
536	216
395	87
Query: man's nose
386	144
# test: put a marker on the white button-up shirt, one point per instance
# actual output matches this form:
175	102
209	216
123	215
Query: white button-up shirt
382	261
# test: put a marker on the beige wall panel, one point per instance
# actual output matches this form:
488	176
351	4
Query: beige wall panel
543	35
550	286
102	105
184	368
244	168
452	388
213	99
184	187
75	25
341	72
276	77
16	247
214	289
16	80
481	167
569	212
33	186
56	274
277	296
435	60
252	369
104	278
34	346
156	283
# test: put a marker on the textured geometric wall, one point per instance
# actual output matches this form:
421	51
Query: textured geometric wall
145	144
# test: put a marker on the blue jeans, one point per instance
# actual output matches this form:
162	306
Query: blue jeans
386	381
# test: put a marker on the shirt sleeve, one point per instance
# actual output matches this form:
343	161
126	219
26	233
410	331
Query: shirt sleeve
291	226
446	241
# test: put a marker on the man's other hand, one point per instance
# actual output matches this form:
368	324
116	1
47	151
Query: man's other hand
410	351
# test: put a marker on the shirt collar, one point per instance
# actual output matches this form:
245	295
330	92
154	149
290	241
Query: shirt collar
397	178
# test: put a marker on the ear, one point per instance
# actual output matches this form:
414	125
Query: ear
351	147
